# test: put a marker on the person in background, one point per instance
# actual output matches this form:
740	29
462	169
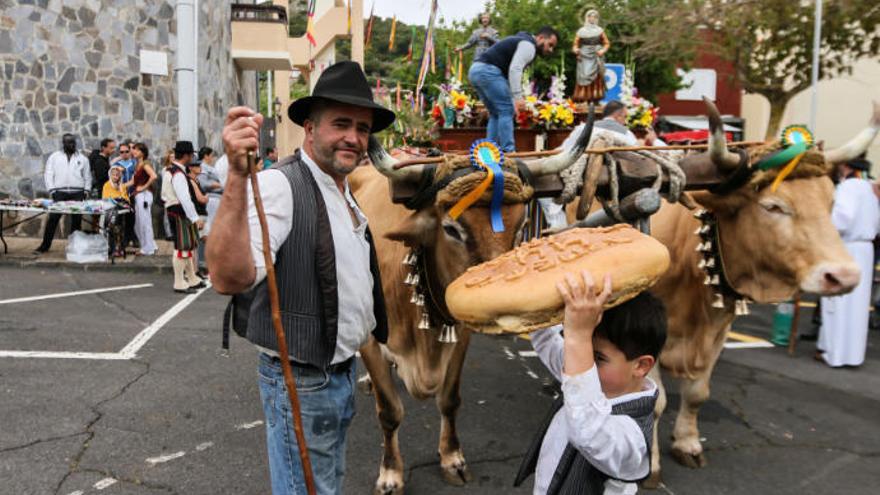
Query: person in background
200	199
114	188
185	221
99	164
483	37
497	77
271	157
68	178
843	335
144	178
614	120
128	163
166	224
209	179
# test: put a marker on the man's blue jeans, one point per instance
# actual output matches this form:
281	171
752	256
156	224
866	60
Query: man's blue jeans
494	91
327	407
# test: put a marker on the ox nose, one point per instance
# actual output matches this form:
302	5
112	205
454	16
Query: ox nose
831	279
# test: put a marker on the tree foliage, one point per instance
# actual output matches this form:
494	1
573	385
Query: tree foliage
770	42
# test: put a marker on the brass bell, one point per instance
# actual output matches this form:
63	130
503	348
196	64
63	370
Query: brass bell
700	214
415	297
718	302
448	335
420	301
425	322
741	307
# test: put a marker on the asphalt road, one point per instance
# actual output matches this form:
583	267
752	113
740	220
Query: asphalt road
127	392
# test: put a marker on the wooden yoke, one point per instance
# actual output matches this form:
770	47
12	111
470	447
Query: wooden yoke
636	172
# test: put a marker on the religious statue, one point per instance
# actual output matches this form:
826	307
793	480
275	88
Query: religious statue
484	37
590	46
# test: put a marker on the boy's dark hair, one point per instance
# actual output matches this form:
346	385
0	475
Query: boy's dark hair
270	149
611	108
547	31
205	151
636	327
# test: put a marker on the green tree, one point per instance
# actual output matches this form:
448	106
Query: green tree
771	43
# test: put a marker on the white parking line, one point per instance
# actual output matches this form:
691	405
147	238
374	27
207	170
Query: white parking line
146	334
71	294
104	483
165	458
127	352
748	345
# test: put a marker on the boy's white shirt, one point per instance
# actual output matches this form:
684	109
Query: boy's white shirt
614	444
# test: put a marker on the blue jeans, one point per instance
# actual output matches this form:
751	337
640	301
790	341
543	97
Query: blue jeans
327	407
494	91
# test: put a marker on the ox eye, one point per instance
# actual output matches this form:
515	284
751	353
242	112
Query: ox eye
453	232
776	208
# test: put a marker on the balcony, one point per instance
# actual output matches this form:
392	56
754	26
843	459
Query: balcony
259	37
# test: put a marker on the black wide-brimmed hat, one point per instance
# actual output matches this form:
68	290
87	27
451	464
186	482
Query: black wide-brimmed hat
860	164
184	148
343	82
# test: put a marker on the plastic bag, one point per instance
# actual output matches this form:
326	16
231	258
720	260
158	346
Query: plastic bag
86	248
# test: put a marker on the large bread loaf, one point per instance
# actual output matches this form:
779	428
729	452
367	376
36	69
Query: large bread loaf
516	292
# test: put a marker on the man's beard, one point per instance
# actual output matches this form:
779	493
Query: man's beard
327	154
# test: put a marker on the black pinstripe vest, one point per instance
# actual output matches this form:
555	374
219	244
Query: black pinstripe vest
305	267
574	474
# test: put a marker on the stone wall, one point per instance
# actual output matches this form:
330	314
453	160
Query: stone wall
74	66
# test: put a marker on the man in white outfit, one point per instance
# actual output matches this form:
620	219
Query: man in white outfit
843	336
68	177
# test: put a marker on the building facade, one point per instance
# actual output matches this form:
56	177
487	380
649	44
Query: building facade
80	66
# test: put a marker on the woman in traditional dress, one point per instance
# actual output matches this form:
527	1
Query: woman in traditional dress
590	46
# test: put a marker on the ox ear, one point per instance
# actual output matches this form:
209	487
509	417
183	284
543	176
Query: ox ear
723	204
415	230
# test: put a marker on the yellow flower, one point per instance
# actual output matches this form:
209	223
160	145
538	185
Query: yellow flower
545	113
531	99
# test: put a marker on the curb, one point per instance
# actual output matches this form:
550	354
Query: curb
87	267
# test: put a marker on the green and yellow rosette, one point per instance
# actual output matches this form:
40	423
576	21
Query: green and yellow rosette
796	140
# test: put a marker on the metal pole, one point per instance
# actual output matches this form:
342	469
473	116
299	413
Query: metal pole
269	107
186	71
817	43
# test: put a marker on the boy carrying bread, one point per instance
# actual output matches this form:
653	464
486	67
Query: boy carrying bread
597	437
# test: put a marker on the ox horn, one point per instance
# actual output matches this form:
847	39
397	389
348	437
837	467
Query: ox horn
718	152
858	144
557	163
384	163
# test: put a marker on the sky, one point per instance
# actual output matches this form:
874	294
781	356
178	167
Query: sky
417	11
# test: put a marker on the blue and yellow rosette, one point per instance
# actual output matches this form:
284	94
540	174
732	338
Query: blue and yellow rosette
485	155
796	140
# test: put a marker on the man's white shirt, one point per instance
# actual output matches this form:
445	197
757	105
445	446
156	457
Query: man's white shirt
354	280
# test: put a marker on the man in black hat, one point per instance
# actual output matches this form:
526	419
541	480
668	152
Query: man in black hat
185	221
328	280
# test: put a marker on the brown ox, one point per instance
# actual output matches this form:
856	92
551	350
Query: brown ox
773	244
428	367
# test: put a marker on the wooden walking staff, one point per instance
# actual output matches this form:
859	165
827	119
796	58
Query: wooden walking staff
279	331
